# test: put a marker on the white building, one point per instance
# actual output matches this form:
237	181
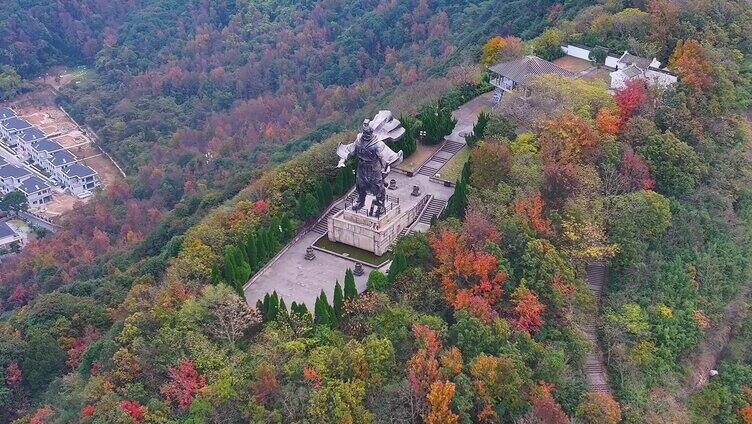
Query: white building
37	191
11	178
629	67
10	127
8	237
25	139
79	178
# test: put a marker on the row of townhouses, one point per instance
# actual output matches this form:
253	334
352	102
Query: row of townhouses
31	145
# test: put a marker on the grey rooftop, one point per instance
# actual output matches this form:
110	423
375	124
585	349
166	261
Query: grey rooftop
6	112
6	231
12	171
520	70
15	123
33	185
79	170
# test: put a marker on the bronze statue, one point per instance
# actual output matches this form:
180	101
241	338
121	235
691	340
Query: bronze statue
375	158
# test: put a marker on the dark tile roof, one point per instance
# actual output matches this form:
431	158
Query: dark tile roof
16	123
640	62
32	134
46	145
6	231
6	112
9	171
32	185
79	170
62	157
632	71
521	69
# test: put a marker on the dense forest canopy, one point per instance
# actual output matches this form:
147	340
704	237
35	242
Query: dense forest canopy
225	115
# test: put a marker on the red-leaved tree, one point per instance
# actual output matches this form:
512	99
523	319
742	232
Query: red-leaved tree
184	384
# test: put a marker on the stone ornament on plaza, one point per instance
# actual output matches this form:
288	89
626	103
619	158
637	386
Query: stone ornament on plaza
375	159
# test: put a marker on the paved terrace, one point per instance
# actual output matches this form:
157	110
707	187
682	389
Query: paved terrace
300	280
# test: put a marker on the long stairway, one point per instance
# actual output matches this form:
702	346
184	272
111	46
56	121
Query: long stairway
435	208
595	365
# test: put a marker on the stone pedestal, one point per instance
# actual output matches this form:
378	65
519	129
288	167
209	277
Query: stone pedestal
371	233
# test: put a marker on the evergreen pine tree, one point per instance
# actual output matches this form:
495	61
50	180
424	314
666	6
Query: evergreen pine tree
399	264
322	315
338	302
260	252
251	251
282	310
351	292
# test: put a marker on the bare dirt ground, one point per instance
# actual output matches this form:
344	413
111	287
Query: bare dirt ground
61	203
573	64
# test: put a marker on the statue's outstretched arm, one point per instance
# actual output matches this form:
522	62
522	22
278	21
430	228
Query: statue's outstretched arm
344	151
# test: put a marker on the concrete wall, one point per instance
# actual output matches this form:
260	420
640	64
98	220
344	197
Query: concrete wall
371	234
577	52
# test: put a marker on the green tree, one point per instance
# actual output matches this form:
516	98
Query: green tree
14	202
399	264
338	301
634	220
43	361
436	122
351	292
10	83
674	164
377	281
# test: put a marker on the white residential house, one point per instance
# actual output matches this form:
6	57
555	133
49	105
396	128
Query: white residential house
37	191
9	129
26	138
7	237
628	67
11	178
79	179
508	75
40	152
58	161
6	112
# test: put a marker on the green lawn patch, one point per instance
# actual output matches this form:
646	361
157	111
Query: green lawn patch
351	252
451	170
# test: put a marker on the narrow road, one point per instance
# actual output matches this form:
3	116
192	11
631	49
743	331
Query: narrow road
595	365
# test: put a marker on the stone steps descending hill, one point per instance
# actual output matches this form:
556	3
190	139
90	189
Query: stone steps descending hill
595	366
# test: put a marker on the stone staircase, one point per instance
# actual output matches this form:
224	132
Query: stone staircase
322	226
595	365
435	208
432	166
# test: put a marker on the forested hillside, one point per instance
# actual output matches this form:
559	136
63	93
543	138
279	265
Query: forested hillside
131	314
199	99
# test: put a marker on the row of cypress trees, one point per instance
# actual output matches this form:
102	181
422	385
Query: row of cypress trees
240	261
331	314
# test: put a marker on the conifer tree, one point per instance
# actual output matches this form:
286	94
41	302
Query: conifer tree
260	252
251	251
215	275
351	292
322	313
399	264
338	302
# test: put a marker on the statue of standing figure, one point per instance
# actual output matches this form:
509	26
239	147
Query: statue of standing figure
375	159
